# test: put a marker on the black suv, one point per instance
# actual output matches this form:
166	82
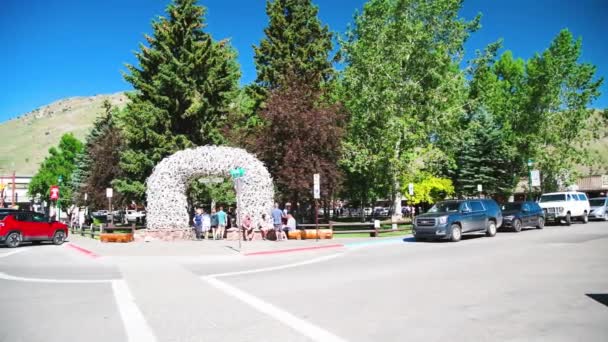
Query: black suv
451	219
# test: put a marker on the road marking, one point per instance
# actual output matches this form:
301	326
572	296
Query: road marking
307	329
274	268
54	281
81	250
4	255
291	250
133	319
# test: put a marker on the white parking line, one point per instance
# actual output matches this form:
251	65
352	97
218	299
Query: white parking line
133	319
54	281
4	255
307	329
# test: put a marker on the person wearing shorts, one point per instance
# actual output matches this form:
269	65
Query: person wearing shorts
221	223
277	222
198	222
206	225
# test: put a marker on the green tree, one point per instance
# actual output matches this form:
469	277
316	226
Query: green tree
429	189
184	86
60	163
403	88
296	44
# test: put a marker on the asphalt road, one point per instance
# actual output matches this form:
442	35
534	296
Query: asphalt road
528	286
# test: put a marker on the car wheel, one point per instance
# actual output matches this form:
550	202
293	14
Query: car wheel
491	230
456	233
585	218
606	216
517	225
568	220
541	223
59	237
13	240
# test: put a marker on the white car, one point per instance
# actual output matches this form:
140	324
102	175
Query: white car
134	216
565	206
599	208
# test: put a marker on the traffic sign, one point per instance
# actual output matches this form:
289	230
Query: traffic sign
109	192
54	192
535	177
479	187
410	189
317	185
237	172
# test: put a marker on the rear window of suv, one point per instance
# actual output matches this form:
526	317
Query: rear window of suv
552	198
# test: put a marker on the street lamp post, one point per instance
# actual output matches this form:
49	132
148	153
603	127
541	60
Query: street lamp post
530	164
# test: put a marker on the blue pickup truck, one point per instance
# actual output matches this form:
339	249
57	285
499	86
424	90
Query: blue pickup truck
451	219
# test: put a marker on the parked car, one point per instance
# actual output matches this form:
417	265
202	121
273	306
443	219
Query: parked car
563	207
135	216
518	215
451	219
599	208
20	226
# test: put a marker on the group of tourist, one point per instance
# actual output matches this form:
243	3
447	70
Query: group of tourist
216	222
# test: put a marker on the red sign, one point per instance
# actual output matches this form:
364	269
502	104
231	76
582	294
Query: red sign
54	192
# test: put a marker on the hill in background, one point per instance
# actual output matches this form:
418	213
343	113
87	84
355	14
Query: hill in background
27	138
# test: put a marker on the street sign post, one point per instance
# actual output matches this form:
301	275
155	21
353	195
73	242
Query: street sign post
535	178
316	191
237	174
109	195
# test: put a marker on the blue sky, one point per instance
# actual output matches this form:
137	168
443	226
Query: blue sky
52	49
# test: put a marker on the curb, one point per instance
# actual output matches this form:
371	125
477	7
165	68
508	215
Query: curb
291	250
82	250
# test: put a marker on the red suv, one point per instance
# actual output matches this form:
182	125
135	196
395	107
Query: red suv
18	226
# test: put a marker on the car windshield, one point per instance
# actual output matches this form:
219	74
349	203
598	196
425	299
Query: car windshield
511	206
552	198
445	207
597	202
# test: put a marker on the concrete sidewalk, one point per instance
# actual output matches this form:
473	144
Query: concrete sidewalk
211	248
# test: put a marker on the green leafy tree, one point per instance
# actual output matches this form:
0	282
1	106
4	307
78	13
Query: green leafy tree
403	88
184	86
429	189
296	44
60	163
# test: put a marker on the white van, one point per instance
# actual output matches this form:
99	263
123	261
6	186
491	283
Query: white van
563	207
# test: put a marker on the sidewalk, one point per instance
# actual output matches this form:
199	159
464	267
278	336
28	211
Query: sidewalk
211	248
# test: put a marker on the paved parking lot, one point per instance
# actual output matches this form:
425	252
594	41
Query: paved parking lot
533	285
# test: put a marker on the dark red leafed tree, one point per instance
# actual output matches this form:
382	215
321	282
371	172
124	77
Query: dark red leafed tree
301	137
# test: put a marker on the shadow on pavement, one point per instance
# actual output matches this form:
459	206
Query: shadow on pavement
599	297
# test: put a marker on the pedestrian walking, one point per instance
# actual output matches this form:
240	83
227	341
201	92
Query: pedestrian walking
221	222
214	223
198	223
206	224
277	221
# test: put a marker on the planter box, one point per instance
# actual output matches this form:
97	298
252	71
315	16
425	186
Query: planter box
116	237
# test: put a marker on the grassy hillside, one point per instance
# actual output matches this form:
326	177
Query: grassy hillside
27	139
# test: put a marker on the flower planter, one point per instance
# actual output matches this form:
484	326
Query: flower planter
116	237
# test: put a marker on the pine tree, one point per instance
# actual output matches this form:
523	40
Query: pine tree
296	44
183	88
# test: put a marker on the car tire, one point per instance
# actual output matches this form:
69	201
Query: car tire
585	218
456	233
568	220
541	223
606	216
13	239
516	225
491	229
59	237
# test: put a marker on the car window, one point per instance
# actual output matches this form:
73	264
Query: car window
476	206
22	217
444	207
582	197
597	202
465	207
569	197
511	206
552	198
37	217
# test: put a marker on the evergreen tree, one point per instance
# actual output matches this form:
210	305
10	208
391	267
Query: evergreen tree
296	44
183	88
